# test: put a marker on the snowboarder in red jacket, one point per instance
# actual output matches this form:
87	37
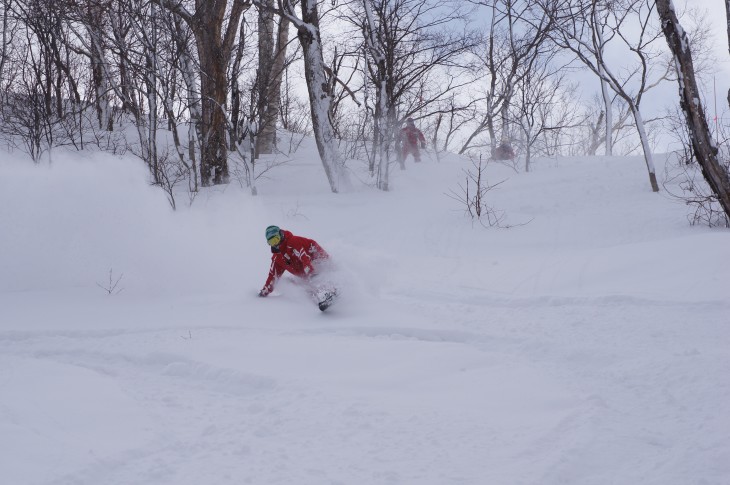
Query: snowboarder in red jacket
408	139
301	257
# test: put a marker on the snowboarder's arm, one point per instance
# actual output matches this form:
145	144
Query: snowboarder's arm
275	273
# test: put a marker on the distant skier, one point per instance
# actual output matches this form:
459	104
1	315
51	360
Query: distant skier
301	257
504	152
408	139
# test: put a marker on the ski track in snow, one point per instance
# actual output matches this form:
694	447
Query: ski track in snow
458	355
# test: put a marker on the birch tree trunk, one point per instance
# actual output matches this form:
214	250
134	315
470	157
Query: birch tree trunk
193	101
4	39
272	62
608	136
528	146
150	79
648	157
320	98
268	133
604	86
92	19
381	124
263	79
124	89
704	149
727	16
595	134
383	128
236	126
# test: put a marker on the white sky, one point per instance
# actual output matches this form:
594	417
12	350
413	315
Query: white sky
718	22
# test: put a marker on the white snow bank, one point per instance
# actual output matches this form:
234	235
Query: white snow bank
71	223
585	347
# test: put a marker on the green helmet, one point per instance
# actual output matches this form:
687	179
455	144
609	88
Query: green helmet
273	235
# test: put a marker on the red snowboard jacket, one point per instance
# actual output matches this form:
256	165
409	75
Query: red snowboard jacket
410	136
295	254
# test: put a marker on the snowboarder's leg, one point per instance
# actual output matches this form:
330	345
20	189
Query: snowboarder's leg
324	294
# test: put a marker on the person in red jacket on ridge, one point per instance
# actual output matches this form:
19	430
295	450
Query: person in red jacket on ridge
301	257
409	138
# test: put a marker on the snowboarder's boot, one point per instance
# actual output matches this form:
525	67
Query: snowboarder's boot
326	300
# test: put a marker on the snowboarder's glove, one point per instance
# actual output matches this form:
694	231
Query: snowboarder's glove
264	292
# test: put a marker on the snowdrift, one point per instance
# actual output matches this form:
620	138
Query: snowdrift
584	345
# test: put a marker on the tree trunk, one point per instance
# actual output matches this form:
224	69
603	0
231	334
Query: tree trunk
125	87
213	87
384	115
492	135
268	131
264	74
319	96
648	158
595	135
99	78
609	115
4	39
382	125
704	149
727	16
504	117
150	79
215	46
604	86
528	146
193	101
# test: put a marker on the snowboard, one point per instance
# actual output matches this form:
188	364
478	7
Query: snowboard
326	299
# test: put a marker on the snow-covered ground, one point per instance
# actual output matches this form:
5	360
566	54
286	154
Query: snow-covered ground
587	346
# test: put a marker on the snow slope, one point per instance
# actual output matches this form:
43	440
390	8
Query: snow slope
587	346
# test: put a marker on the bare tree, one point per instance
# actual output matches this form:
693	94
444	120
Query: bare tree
621	127
541	105
453	118
384	116
93	15
318	86
727	15
272	62
214	38
181	38
704	148
472	196
414	63
123	42
278	65
580	26
42	94
8	30
341	73
293	109
514	36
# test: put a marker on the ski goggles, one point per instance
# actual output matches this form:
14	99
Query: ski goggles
274	240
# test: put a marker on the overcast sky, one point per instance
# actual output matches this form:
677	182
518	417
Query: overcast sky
657	100
717	18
